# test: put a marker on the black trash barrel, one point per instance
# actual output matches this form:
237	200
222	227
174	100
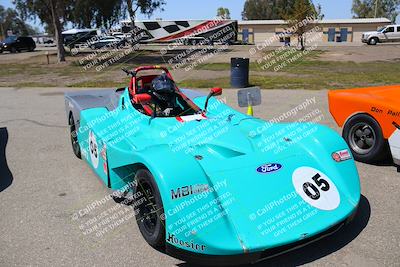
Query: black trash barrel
240	72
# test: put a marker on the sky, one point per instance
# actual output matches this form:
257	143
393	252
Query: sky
205	9
200	9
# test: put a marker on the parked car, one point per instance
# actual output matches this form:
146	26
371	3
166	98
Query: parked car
390	33
107	41
16	44
197	41
121	35
48	41
78	37
370	121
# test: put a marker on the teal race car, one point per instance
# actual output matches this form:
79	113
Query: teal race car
209	184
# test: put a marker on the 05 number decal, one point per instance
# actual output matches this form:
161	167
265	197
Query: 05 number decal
316	188
93	150
323	184
312	191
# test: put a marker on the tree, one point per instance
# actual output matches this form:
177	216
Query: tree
302	11
223	13
89	13
146	7
2	16
10	20
376	8
54	13
266	9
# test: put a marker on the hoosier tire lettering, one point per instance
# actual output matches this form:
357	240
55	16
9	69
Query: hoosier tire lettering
186	244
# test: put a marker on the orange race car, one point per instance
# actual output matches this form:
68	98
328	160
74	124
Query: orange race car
370	118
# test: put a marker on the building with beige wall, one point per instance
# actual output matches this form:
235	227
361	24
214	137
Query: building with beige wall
328	32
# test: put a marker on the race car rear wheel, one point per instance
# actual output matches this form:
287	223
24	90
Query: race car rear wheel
74	137
365	139
150	212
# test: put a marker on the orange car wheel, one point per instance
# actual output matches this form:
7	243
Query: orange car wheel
364	136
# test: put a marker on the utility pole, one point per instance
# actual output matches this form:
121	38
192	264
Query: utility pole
376	8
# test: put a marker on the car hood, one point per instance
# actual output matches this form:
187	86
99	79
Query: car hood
384	94
271	208
370	33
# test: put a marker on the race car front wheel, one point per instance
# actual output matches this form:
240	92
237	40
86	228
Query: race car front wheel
365	139
150	212
74	137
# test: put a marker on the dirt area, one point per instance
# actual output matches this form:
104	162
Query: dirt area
7	57
317	70
365	53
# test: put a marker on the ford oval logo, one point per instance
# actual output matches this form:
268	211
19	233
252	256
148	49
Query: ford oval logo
269	168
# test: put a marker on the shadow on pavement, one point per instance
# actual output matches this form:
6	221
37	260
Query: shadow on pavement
320	248
6	177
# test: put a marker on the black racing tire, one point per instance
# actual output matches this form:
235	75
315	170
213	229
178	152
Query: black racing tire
150	213
13	50
31	49
373	41
364	136
74	137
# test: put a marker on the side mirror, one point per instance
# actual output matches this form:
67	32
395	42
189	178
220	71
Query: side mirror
142	98
216	91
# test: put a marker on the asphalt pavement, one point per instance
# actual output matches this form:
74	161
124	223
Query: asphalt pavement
43	186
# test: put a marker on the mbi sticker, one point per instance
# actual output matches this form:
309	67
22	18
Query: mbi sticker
269	168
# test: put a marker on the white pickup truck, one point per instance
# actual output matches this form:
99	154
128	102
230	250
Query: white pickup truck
390	33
